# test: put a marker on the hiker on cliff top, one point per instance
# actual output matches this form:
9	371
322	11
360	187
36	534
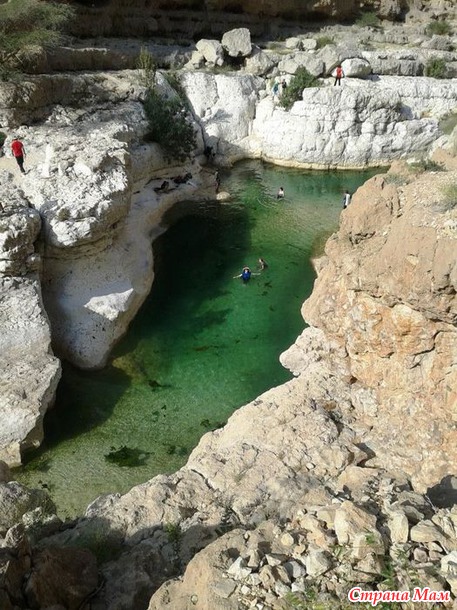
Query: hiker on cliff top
18	151
339	74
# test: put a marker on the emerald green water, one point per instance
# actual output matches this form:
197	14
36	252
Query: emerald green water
202	345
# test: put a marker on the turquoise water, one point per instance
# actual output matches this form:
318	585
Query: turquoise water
202	345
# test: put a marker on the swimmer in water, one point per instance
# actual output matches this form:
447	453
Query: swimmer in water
280	194
245	275
262	264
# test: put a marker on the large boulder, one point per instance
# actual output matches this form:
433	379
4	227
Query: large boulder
16	500
211	50
237	42
258	63
292	63
356	67
64	576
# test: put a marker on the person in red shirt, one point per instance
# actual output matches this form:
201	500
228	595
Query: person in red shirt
18	151
339	74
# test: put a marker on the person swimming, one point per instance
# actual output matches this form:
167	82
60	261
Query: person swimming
280	194
262	264
245	275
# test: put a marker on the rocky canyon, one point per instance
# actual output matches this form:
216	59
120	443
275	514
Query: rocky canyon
342	477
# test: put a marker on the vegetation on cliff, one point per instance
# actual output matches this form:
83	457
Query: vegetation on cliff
169	124
300	81
26	25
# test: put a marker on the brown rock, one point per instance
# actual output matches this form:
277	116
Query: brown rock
63	576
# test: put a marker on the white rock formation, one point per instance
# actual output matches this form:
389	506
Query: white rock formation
211	50
237	42
365	122
29	373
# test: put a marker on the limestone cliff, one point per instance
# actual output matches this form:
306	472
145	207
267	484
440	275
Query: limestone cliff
190	19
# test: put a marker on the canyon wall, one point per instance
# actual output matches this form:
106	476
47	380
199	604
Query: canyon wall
189	19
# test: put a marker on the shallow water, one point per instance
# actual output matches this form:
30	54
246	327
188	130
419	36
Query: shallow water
203	344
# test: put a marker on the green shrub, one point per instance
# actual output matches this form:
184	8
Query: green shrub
302	80
442	28
436	68
368	20
145	63
169	125
323	41
450	197
25	25
426	165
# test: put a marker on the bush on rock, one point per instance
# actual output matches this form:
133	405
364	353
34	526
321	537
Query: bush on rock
26	25
169	125
302	80
436	68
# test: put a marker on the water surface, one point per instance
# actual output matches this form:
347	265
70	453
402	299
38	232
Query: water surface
203	344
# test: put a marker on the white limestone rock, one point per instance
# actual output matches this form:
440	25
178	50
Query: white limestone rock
211	50
237	42
225	106
29	373
339	126
356	67
293	43
290	64
258	63
309	44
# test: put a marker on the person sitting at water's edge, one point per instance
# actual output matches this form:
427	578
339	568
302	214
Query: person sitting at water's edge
280	194
346	199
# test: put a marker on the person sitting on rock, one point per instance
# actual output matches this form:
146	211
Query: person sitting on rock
163	188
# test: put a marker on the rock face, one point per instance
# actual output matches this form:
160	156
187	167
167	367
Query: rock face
29	373
185	19
363	123
393	314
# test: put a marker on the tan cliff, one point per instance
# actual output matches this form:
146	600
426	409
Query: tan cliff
386	295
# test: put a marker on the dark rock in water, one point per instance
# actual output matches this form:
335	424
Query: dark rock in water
155	385
205	423
127	456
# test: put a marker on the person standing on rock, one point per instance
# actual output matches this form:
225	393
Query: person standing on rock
18	151
339	74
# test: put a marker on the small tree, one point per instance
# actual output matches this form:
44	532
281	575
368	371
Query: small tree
145	63
302	80
25	24
169	125
436	68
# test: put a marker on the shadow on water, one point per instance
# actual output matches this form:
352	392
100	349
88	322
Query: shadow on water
205	233
202	230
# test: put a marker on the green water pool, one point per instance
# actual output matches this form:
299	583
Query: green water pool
203	343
